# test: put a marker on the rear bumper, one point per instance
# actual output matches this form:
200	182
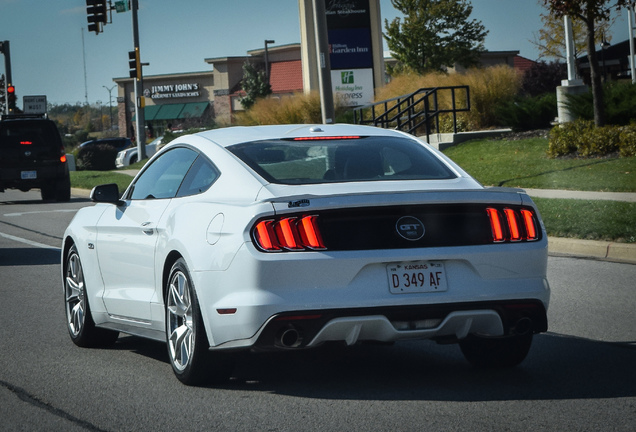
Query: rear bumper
11	178
450	322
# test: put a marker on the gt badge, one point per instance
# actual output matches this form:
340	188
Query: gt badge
410	228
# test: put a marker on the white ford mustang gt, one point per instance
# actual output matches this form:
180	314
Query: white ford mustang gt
287	237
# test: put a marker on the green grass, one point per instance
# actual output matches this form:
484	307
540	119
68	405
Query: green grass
90	179
524	163
591	220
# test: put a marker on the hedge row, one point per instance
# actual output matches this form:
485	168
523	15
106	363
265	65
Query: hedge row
582	138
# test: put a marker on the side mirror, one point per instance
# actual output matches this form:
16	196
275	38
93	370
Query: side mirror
108	193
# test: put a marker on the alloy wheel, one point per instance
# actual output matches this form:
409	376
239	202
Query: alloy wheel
75	295
181	332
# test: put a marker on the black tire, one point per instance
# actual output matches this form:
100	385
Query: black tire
133	160
79	320
63	190
48	191
188	348
496	352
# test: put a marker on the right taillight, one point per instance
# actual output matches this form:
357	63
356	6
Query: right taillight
288	234
512	225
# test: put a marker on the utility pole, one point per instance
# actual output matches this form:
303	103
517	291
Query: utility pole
632	61
8	81
140	118
85	77
322	52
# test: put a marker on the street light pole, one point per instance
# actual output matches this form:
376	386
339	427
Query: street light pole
110	104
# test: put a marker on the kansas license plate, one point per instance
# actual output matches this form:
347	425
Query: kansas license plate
28	175
416	277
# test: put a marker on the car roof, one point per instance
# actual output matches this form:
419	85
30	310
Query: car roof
240	134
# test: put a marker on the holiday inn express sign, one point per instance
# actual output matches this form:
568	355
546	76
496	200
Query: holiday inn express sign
353	87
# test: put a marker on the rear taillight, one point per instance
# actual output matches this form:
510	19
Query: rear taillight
288	234
512	225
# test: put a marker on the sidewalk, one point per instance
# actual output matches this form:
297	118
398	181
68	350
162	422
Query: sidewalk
557	246
583	195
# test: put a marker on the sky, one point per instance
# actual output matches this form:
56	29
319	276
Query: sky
52	52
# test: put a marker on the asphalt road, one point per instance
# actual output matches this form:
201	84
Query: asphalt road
579	376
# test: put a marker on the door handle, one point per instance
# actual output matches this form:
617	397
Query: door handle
146	229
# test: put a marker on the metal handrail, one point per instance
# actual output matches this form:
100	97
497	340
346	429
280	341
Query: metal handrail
412	111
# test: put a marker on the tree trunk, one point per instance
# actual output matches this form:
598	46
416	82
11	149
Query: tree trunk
595	75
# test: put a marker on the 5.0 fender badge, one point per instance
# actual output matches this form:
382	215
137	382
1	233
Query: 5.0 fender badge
410	228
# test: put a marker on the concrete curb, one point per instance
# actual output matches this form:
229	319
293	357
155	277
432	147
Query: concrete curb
611	251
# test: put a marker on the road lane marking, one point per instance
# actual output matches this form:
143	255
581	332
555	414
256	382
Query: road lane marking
29	242
39	212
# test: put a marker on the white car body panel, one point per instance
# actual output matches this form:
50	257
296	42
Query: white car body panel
212	232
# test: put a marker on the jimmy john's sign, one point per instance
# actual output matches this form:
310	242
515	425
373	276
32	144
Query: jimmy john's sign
169	91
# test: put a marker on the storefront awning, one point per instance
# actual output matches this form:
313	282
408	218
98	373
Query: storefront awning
169	112
150	112
174	111
193	110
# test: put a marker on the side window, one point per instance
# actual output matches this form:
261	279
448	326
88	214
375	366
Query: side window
163	178
199	178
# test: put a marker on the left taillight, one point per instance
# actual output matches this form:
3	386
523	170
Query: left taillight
513	225
288	233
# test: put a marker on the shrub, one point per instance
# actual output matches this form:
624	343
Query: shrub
99	157
627	144
619	101
526	113
583	139
489	87
296	109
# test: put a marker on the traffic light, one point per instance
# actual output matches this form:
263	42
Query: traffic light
134	63
11	98
96	10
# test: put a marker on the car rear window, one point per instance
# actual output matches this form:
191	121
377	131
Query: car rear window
29	133
298	161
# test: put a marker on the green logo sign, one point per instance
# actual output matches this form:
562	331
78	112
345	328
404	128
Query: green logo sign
347	77
122	6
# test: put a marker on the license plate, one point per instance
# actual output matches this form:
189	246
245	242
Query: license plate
416	277
28	175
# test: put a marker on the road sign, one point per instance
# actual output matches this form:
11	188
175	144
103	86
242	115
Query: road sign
122	6
34	104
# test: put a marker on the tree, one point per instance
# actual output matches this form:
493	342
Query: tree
551	38
542	77
254	85
590	12
434	35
